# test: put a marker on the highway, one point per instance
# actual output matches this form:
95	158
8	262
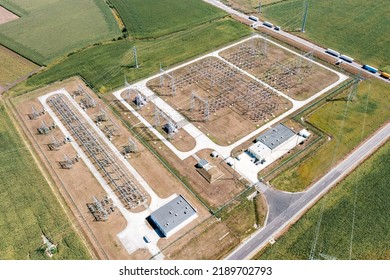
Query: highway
259	24
261	237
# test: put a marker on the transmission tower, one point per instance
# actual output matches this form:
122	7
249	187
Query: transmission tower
135	57
354	88
305	17
205	103
50	247
259	7
171	84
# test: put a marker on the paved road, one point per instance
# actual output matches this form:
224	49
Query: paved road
260	238
278	201
290	36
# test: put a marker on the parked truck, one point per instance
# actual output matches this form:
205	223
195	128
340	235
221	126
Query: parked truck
370	68
268	24
346	58
385	75
333	52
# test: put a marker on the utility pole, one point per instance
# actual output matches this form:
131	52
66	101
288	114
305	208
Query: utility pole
304	17
354	88
135	57
259	7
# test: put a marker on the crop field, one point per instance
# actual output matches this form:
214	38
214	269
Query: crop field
347	124
116	59
13	66
351	222
248	6
29	205
149	18
355	33
50	29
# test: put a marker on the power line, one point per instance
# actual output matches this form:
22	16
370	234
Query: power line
305	17
356	187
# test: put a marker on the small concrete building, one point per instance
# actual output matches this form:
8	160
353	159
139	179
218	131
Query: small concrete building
203	163
210	172
173	216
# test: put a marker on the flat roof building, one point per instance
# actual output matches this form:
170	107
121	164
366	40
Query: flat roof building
270	141
173	216
259	151
276	136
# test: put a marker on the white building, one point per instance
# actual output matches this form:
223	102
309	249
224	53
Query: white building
269	141
173	216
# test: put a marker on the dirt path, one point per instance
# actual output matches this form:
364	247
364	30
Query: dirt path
21	79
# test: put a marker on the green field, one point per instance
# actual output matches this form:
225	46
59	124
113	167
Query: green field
354	27
29	205
351	222
347	124
248	6
49	29
13	66
150	18
116	58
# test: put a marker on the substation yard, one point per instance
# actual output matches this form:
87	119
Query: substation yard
182	140
219	99
295	76
215	194
92	170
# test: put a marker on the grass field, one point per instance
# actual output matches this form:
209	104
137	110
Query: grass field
354	213
29	205
360	33
248	6
149	18
13	66
49	29
348	124
116	59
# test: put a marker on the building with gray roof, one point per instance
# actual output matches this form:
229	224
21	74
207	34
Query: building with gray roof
173	216
276	136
